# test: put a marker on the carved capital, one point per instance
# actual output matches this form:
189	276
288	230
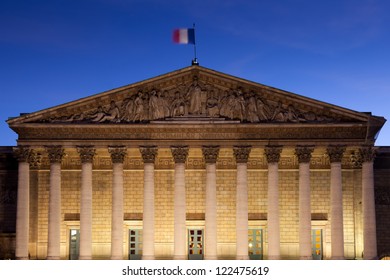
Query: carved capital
55	153
241	153
87	153
272	153
304	153
22	153
210	153
118	153
367	153
335	153
35	160
180	153
149	153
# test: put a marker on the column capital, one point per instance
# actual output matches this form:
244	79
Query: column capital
118	153
304	153
272	153
87	153
22	153
179	153
55	153
35	160
367	153
335	152
210	153
149	153
241	153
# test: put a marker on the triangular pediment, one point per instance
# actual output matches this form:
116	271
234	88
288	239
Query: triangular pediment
195	95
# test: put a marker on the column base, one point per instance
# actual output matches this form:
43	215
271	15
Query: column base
275	257
306	257
85	257
181	257
22	258
148	258
210	257
337	258
116	258
244	257
55	258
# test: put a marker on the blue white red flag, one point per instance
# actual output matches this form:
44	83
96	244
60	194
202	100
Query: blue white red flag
184	36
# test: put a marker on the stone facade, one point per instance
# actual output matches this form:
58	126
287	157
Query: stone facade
170	153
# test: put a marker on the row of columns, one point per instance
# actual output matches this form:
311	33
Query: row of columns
180	154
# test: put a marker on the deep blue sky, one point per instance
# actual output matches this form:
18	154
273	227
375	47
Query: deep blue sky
56	51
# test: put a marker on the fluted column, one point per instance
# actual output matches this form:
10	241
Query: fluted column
118	154
22	154
87	154
304	155
210	154
241	154
55	154
272	154
368	196
149	154
180	154
336	202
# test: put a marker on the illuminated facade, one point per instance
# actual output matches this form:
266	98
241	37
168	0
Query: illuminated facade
196	164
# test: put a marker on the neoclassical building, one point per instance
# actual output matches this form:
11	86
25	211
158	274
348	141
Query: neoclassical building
196	164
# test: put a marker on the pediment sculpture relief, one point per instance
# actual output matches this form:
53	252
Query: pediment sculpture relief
194	100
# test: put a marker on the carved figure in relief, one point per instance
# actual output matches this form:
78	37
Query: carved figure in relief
162	102
195	97
262	110
278	114
112	115
239	105
291	115
128	110
212	107
156	111
251	105
138	107
98	115
178	105
228	104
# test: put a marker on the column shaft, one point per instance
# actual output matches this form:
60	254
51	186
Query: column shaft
22	212
211	212
241	153
117	212
180	154
273	212
180	213
336	204
369	222
148	215
304	155
54	231
86	212
118	154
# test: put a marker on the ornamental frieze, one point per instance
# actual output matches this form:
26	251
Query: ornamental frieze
192	97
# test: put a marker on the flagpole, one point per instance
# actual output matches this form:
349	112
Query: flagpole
195	60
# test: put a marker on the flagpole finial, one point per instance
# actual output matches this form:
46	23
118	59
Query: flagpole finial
195	61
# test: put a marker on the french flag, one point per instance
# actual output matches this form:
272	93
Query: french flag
184	36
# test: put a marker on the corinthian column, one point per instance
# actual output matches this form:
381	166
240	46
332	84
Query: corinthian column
336	202
304	155
272	154
118	154
149	154
55	154
180	154
86	155
22	154
210	154
369	223
241	153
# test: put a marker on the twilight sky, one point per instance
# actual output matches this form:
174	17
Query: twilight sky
57	51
